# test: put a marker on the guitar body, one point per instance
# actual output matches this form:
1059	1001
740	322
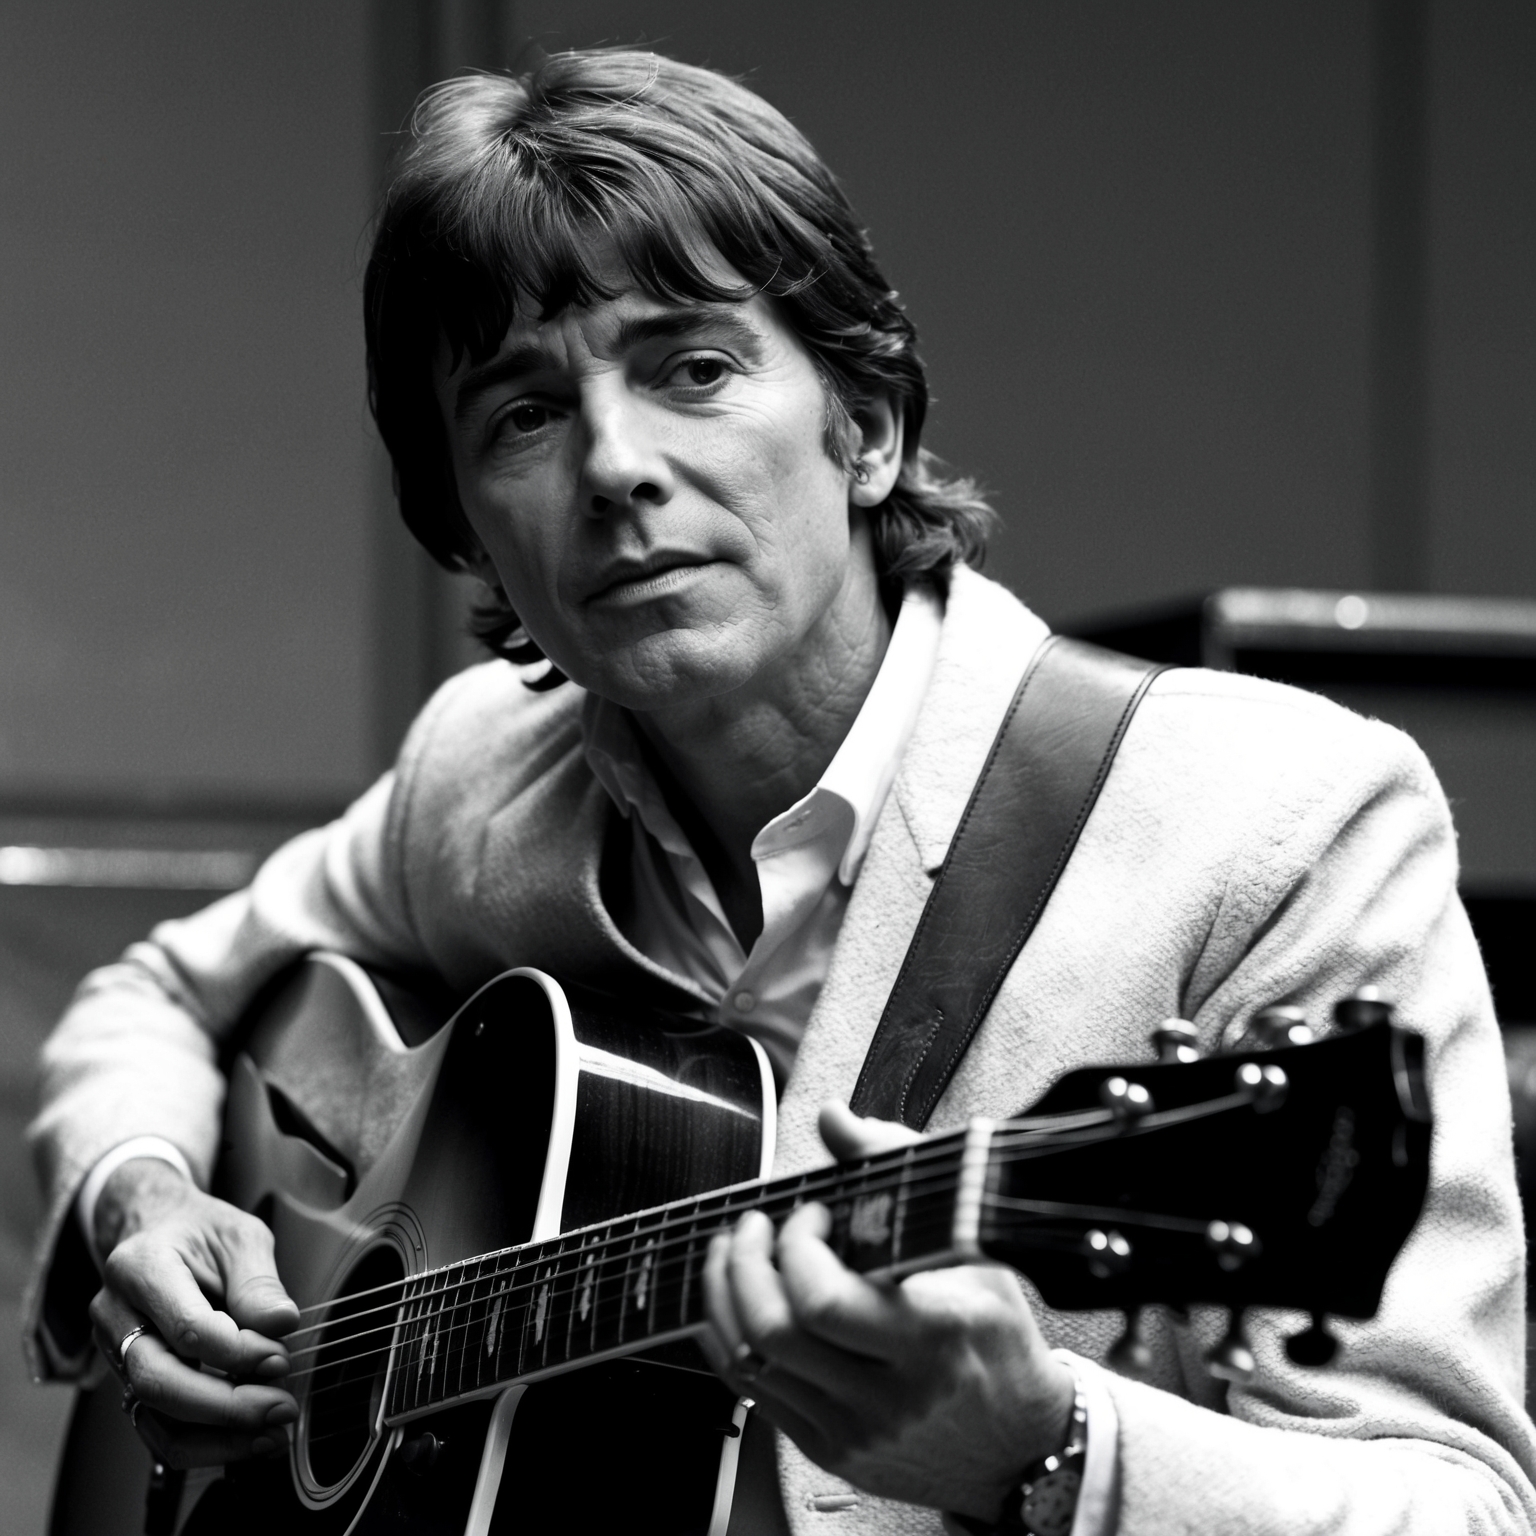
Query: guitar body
497	1231
534	1111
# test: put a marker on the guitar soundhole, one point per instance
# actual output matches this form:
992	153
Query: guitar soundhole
348	1385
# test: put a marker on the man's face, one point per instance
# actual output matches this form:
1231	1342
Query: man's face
651	483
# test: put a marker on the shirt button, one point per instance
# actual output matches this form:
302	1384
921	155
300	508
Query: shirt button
745	1002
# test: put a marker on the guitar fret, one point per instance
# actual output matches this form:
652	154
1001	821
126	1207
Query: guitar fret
611	1272
420	1330
564	1300
470	1326
644	1292
899	1215
402	1348
536	1315
453	1353
499	1320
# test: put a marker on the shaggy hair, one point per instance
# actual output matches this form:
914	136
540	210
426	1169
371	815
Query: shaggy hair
507	197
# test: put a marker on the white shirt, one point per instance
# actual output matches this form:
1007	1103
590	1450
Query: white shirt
807	857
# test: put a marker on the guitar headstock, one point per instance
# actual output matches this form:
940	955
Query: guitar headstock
1287	1176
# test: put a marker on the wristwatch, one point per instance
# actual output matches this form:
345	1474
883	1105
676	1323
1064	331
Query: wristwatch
1044	1501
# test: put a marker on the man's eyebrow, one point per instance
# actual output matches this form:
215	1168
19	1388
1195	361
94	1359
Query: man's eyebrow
723	321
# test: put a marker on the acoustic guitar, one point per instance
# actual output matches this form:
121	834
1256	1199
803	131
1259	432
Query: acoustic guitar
495	1231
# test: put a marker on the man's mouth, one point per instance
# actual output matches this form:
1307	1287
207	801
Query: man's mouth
637	580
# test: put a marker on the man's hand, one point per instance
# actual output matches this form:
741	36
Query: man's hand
937	1391
206	1377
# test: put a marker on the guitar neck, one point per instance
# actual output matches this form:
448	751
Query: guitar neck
619	1287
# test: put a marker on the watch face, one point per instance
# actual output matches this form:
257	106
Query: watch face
1051	1503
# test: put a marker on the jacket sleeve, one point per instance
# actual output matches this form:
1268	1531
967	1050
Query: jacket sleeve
1418	1426
137	1052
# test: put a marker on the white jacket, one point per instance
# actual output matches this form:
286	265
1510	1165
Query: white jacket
1253	844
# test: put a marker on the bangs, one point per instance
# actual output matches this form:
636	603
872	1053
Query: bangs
545	219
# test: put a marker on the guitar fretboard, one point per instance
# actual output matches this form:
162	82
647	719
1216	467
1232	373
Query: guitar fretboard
620	1286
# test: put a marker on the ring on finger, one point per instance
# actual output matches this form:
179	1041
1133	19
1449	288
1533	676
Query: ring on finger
129	1339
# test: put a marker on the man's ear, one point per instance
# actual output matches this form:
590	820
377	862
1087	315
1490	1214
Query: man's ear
877	462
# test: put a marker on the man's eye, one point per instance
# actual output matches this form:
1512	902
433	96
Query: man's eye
527	418
702	371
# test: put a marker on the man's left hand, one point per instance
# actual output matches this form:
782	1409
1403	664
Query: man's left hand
936	1390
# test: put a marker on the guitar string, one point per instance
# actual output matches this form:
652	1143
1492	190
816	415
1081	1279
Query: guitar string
455	1353
570	1243
879	1181
940	1145
480	1306
657	1222
876	1181
669	1250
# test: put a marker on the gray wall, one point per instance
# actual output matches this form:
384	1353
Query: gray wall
1137	241
185	489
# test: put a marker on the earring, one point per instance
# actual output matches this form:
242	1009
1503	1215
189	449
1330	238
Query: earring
860	472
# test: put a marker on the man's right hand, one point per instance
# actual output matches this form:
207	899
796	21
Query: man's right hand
173	1257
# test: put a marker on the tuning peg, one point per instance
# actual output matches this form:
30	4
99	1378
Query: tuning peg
1313	1345
1108	1253
1232	1243
1232	1359
1176	1040
1264	1087
1361	1009
1125	1100
1131	1354
1280	1025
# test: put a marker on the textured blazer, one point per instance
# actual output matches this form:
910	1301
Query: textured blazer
1252	844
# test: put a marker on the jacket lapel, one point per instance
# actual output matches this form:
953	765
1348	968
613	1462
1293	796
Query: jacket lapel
541	880
987	641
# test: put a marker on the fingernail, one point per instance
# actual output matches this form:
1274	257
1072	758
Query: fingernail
273	1365
281	1413
262	1444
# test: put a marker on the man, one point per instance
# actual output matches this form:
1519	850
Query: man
636	369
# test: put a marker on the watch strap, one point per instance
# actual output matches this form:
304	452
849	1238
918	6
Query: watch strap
1044	1501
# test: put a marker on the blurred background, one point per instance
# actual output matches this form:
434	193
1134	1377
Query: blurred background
1213	296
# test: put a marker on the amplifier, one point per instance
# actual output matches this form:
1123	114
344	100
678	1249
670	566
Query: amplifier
1458	674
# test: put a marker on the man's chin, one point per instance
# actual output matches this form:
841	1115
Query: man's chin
673	669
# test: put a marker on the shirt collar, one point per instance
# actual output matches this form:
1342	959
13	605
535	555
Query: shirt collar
858	779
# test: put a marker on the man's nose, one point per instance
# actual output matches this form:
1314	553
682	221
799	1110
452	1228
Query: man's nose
624	466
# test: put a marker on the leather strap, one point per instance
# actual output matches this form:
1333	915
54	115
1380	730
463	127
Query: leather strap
1041	778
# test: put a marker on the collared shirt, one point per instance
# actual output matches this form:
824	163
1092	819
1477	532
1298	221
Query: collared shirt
807	857
807	860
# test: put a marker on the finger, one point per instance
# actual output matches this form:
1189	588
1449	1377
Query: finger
849	1136
768	1320
253	1295
183	1446
828	1300
154	1279
176	1390
724	1337
112	1320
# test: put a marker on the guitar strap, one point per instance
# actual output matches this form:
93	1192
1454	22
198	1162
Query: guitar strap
1041	778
